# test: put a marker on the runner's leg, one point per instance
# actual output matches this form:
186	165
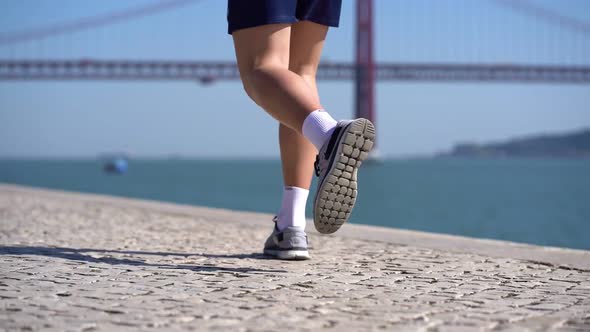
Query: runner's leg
297	153
262	53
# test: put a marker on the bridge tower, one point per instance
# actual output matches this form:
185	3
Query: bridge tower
364	62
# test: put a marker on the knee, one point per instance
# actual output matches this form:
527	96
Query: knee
253	81
249	87
249	83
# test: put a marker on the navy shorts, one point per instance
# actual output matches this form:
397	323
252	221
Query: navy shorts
242	14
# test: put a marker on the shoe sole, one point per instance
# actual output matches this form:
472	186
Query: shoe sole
295	255
336	195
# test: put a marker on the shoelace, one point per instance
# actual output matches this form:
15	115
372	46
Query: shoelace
316	165
275	219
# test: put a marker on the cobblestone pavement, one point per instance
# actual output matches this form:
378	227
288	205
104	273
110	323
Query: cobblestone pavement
74	265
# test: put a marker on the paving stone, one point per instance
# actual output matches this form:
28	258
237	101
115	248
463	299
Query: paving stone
84	265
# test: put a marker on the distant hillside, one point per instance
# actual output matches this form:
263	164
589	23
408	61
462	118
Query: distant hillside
571	145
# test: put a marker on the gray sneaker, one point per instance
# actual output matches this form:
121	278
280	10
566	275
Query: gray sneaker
336	165
290	243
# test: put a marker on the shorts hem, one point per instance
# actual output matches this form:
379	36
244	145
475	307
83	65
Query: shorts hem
275	20
329	23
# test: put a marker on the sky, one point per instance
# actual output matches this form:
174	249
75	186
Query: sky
161	119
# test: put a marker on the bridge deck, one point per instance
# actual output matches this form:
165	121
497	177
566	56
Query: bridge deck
209	71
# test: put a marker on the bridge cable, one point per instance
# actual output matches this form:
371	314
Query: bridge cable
551	16
92	22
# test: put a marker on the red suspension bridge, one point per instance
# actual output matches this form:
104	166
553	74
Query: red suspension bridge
364	71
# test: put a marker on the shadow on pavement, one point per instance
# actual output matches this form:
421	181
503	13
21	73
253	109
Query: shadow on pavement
78	255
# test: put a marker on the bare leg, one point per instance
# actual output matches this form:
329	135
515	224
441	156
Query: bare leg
263	59
297	153
297	157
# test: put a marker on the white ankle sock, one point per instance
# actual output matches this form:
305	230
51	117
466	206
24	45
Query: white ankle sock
292	211
318	126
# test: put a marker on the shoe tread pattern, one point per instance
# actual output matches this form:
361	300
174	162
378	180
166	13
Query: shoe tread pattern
338	192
